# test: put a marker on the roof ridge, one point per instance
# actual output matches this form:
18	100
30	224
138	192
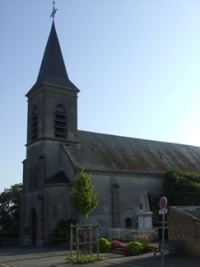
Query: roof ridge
136	138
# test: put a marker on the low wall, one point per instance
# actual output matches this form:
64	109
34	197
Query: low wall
184	224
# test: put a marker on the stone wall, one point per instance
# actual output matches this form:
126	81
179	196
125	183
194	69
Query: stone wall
184	224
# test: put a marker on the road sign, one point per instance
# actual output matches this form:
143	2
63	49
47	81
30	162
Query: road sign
163	211
163	203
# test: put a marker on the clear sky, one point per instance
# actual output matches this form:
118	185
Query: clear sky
136	62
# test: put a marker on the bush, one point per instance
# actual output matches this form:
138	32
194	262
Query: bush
117	244
134	248
61	233
137	248
83	259
146	247
104	245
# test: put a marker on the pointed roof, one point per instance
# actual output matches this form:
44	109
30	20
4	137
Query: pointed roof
52	69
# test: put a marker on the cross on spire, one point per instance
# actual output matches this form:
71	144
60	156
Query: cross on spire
53	11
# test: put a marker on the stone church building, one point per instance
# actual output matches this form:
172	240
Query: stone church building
121	168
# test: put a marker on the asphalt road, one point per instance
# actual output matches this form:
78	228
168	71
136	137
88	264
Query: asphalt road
56	257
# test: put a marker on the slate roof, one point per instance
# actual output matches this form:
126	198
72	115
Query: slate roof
52	69
109	153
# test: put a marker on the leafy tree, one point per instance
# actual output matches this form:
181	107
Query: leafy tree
83	197
182	188
10	211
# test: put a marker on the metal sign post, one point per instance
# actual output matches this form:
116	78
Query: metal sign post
163	211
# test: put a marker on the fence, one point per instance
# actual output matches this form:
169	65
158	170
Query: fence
133	234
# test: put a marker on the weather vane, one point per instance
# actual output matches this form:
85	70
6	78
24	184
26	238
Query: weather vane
53	11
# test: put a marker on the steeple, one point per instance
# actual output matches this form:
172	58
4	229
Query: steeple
52	69
52	101
52	63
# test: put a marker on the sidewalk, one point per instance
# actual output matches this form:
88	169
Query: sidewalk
56	257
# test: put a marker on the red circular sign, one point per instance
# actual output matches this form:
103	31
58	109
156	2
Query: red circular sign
163	203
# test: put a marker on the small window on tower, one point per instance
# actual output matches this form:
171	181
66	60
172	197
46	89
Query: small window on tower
34	125
60	122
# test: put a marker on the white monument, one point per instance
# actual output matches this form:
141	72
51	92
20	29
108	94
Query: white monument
144	215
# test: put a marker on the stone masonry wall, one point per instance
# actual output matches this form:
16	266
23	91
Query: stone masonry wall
184	224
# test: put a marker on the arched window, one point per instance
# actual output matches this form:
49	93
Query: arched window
34	124
128	222
60	122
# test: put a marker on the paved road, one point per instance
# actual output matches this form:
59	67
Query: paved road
56	257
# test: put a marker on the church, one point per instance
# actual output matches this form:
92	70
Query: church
125	172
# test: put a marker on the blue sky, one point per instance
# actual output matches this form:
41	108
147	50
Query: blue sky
136	62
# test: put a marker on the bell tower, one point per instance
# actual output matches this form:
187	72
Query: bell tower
52	101
51	122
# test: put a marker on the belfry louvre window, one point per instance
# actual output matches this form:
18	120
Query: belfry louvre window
60	122
34	124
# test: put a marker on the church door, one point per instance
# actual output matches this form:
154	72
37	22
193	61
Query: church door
33	227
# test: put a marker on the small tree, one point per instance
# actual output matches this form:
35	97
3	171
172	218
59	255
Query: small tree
83	197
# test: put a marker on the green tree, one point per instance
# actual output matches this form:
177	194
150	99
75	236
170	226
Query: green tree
10	211
182	188
83	197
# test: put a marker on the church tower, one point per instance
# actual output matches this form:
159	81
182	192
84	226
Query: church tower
51	122
52	101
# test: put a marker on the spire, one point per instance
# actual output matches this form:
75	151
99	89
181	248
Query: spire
52	69
52	64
